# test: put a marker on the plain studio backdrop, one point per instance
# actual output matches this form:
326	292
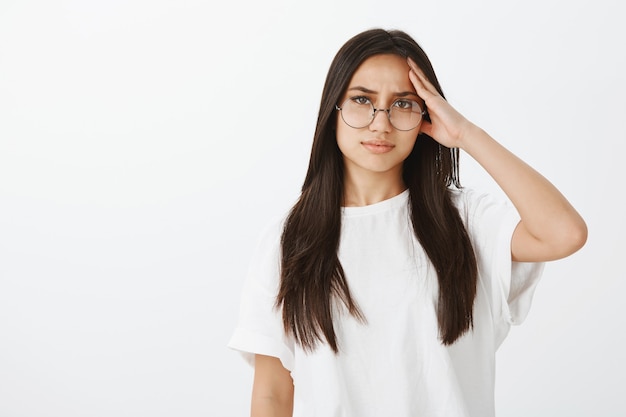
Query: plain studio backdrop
145	144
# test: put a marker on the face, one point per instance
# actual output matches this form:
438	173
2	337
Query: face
379	148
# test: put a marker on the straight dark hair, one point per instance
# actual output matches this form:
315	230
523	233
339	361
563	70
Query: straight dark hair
312	278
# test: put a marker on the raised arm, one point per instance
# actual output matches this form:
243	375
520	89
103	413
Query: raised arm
550	228
272	390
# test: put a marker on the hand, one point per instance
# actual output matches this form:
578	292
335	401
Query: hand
447	126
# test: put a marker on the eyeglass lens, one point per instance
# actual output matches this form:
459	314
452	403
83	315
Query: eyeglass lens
403	114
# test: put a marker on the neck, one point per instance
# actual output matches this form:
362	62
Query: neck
372	188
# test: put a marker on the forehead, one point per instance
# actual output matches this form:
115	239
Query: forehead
383	73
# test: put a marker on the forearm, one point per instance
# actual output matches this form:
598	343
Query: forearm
546	216
272	391
271	407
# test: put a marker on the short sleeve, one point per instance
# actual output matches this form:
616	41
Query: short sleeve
491	223
259	328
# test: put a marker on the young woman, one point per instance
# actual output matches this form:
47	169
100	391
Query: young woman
387	288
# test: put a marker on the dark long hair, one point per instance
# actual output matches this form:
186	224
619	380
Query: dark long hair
312	278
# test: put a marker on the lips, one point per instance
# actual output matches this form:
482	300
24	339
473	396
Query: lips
378	146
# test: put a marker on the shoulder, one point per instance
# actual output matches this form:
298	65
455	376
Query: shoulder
268	240
273	228
474	202
486	217
468	200
266	243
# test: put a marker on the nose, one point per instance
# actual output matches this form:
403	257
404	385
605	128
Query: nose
381	123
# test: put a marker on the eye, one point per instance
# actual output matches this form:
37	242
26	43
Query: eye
404	104
361	100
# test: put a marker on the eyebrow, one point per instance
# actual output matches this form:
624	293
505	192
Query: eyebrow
368	91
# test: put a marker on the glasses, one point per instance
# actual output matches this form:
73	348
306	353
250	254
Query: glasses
359	112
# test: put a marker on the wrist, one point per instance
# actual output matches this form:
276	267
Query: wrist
470	136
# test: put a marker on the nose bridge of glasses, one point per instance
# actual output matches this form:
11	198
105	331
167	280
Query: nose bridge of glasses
375	110
386	122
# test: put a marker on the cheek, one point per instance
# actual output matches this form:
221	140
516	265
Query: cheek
409	143
344	135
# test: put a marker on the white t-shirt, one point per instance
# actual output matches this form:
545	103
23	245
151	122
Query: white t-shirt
394	364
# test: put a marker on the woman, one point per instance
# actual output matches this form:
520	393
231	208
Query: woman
387	288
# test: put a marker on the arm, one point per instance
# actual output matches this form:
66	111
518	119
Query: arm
550	228
272	391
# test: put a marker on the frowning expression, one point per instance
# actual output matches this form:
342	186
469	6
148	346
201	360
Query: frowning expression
378	147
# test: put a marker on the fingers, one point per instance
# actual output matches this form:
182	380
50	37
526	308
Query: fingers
420	80
417	82
419	86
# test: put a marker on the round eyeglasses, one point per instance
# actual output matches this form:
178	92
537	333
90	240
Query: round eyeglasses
359	112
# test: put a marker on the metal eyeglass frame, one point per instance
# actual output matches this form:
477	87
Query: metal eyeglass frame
374	110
